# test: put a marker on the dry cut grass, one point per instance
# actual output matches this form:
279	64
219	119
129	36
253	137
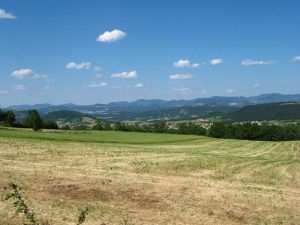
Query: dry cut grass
205	181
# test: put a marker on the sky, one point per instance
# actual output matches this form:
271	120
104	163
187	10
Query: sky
100	51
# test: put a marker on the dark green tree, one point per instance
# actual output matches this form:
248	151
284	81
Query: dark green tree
50	124
98	125
217	130
159	126
107	126
118	126
34	120
8	118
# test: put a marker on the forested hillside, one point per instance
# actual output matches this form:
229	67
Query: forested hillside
261	112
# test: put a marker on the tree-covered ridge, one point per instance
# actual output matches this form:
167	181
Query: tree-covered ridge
261	112
63	114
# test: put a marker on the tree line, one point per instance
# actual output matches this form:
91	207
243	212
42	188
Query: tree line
254	131
247	131
33	120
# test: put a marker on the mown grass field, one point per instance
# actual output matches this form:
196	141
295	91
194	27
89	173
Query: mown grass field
151	179
96	136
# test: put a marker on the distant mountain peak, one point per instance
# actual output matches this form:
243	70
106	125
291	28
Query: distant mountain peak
153	104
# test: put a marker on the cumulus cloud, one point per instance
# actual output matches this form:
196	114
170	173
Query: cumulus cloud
19	87
186	63
125	75
230	90
138	85
216	61
182	90
296	59
80	66
6	15
22	73
256	85
182	63
250	62
102	84
180	76
111	36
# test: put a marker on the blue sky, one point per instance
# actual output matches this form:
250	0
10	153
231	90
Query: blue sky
89	52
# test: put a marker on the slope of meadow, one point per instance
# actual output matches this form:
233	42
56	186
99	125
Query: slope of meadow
198	181
96	136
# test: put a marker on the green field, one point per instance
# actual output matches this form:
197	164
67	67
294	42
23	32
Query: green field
150	178
96	136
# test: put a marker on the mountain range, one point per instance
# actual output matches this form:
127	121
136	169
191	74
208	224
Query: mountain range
156	108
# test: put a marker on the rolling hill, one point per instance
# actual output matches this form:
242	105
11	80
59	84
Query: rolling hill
144	109
64	114
261	112
143	105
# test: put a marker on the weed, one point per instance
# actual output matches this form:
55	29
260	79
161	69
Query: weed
14	192
20	204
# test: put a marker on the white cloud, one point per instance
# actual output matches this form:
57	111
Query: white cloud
6	15
296	59
186	63
98	75
19	87
182	63
102	84
196	65
256	85
216	61
250	62
138	85
22	73
124	75
230	90
46	87
111	36
80	66
180	76
183	90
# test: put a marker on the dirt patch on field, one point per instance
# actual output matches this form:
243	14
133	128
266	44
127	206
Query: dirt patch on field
129	195
75	192
143	200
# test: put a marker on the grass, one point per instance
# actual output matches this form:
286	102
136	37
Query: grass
197	181
96	136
